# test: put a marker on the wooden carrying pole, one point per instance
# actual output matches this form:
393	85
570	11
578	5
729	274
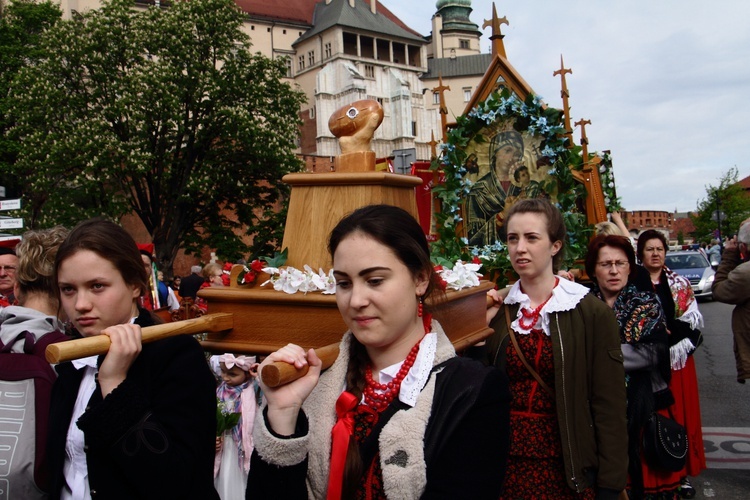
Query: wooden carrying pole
99	344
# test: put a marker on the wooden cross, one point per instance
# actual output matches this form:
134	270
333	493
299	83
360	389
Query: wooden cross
498	48
589	177
584	140
443	108
565	95
433	145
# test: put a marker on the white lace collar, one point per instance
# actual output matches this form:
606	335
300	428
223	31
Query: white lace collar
417	377
565	296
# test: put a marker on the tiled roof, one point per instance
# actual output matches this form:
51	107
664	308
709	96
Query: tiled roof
745	183
340	13
303	11
459	66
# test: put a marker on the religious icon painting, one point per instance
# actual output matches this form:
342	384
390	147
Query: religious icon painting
505	166
504	150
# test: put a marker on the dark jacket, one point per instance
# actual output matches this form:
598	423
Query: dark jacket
154	435
732	285
452	444
190	285
589	392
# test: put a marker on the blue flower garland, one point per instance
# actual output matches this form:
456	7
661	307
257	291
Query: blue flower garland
530	117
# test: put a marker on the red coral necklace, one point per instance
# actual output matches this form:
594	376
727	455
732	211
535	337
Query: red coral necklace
533	316
380	400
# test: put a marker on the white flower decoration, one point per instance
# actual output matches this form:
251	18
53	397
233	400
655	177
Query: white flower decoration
461	276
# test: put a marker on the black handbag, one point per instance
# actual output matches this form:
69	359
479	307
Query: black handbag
665	443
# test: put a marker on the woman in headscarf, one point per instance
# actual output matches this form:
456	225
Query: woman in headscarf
683	321
486	200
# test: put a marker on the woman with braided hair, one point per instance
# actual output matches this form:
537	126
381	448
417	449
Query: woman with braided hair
397	415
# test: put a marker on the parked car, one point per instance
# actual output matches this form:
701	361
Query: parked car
696	268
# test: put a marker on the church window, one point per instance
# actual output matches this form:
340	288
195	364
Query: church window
328	51
436	98
467	94
463	43
369	71
301	61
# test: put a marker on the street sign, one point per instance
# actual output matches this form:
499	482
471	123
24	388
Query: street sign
10	204
11	223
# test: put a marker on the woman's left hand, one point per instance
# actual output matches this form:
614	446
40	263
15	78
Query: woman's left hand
497	301
124	349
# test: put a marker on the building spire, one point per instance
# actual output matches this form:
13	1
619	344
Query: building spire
498	48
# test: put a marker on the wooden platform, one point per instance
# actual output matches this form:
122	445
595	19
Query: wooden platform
266	319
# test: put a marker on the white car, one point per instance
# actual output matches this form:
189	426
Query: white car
695	267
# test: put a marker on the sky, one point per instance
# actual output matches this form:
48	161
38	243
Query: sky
663	82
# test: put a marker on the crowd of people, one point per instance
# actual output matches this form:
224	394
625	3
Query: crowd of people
555	404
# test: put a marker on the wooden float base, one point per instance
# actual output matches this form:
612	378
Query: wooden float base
266	319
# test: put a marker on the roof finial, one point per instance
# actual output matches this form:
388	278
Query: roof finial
498	48
565	95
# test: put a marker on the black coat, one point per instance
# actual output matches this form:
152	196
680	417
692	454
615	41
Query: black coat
153	436
190	285
470	409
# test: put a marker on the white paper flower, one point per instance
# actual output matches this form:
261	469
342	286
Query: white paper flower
461	276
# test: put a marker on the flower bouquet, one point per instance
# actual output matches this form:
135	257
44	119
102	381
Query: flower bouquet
225	419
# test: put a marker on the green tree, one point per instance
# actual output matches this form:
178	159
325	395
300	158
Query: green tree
22	25
164	113
730	199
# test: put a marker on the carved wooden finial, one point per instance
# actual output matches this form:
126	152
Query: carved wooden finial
433	145
497	37
443	108
584	140
565	95
354	125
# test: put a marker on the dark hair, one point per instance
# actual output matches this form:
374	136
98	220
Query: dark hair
36	260
518	171
609	240
398	230
555	223
650	234
7	251
395	228
110	242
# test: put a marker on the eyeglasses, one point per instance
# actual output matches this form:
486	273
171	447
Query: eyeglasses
617	264
8	269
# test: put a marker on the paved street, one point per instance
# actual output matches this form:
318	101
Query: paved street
725	409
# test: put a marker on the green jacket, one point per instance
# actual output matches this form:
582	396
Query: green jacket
589	390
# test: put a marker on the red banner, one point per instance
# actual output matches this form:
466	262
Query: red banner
427	205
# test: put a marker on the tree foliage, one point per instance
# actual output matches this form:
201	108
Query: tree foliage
164	113
733	202
22	25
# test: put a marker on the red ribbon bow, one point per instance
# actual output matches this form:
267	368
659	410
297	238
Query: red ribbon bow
340	435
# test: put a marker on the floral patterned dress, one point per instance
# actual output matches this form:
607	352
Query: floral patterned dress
535	466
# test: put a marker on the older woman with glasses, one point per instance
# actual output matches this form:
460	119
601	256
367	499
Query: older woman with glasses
610	262
683	321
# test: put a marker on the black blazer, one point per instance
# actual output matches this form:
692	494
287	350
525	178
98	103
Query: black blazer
154	435
190	285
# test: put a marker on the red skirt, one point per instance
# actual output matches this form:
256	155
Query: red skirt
685	410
